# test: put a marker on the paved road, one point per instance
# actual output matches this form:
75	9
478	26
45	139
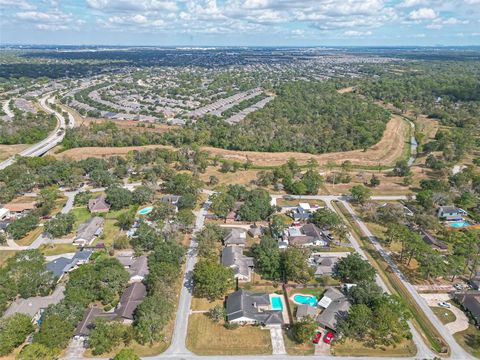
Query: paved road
177	347
461	322
48	143
457	352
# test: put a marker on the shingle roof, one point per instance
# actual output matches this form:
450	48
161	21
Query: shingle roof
87	231
85	326
33	305
471	302
139	266
63	265
232	256
98	204
243	303
304	310
130	299
236	237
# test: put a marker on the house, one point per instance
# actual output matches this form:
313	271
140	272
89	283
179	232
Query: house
98	205
4	214
171	199
129	301
88	231
304	310
307	235
85	326
303	212
245	307
232	257
336	306
232	215
255	231
475	281
34	306
324	265
433	241
236	237
16	208
470	302
62	265
450	213
137	267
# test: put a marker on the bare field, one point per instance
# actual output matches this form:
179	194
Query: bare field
9	150
345	90
385	152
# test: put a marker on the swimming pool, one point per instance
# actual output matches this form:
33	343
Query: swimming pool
305	299
276	302
145	210
458	224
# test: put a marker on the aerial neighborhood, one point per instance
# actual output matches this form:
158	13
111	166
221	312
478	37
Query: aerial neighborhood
187	203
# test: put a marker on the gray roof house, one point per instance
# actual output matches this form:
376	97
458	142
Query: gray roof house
232	257
304	310
87	232
98	205
324	265
137	267
129	301
450	213
336	306
471	303
245	307
308	235
34	306
62	265
235	237
302	212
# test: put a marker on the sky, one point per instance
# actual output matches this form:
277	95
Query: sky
241	22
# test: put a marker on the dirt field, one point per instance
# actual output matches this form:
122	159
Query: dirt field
9	150
345	90
385	152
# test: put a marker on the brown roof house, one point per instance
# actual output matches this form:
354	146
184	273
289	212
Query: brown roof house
471	303
98	205
129	301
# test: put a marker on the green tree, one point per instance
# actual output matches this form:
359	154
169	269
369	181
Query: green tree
142	195
360	193
211	280
374	181
217	313
222	203
60	225
126	354
401	168
295	265
304	329
125	220
105	336
267	258
357	324
353	269
21	227
13	331
36	351
151	317
119	198
257	206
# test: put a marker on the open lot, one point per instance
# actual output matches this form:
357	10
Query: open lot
385	152
208	338
9	150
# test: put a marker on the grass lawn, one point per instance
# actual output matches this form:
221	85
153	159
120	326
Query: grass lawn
110	233
356	348
140	350
445	315
295	202
208	338
30	237
294	348
57	249
5	254
465	337
202	304
81	215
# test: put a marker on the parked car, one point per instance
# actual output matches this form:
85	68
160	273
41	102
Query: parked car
328	338
444	304
317	337
458	286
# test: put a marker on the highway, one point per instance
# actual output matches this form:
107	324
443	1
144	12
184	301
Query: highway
55	137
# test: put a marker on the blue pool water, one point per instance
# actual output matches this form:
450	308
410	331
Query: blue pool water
145	210
305	299
276	302
458	224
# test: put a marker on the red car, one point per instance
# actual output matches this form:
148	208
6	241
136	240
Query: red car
317	337
328	338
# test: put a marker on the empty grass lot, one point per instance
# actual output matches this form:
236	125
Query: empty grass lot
465	337
57	249
208	338
355	348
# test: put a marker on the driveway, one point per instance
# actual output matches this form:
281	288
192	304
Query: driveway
75	349
460	324
278	346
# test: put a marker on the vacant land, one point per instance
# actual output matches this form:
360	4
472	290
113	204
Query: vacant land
385	152
206	337
355	348
9	150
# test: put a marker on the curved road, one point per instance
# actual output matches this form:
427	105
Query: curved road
51	141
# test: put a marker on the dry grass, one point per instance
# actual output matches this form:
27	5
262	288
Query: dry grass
385	152
202	304
208	338
7	151
465	337
4	255
355	348
345	90
30	237
241	177
57	249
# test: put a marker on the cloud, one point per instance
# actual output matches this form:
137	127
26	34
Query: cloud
19	4
132	5
354	33
422	14
52	21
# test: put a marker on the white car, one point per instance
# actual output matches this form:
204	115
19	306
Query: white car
444	304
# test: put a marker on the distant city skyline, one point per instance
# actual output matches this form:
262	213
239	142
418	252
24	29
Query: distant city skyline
241	22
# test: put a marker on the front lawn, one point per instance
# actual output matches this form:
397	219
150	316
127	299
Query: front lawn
57	249
294	348
30	237
465	337
206	337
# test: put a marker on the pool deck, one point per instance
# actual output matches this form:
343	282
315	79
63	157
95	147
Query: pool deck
286	319
299	303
